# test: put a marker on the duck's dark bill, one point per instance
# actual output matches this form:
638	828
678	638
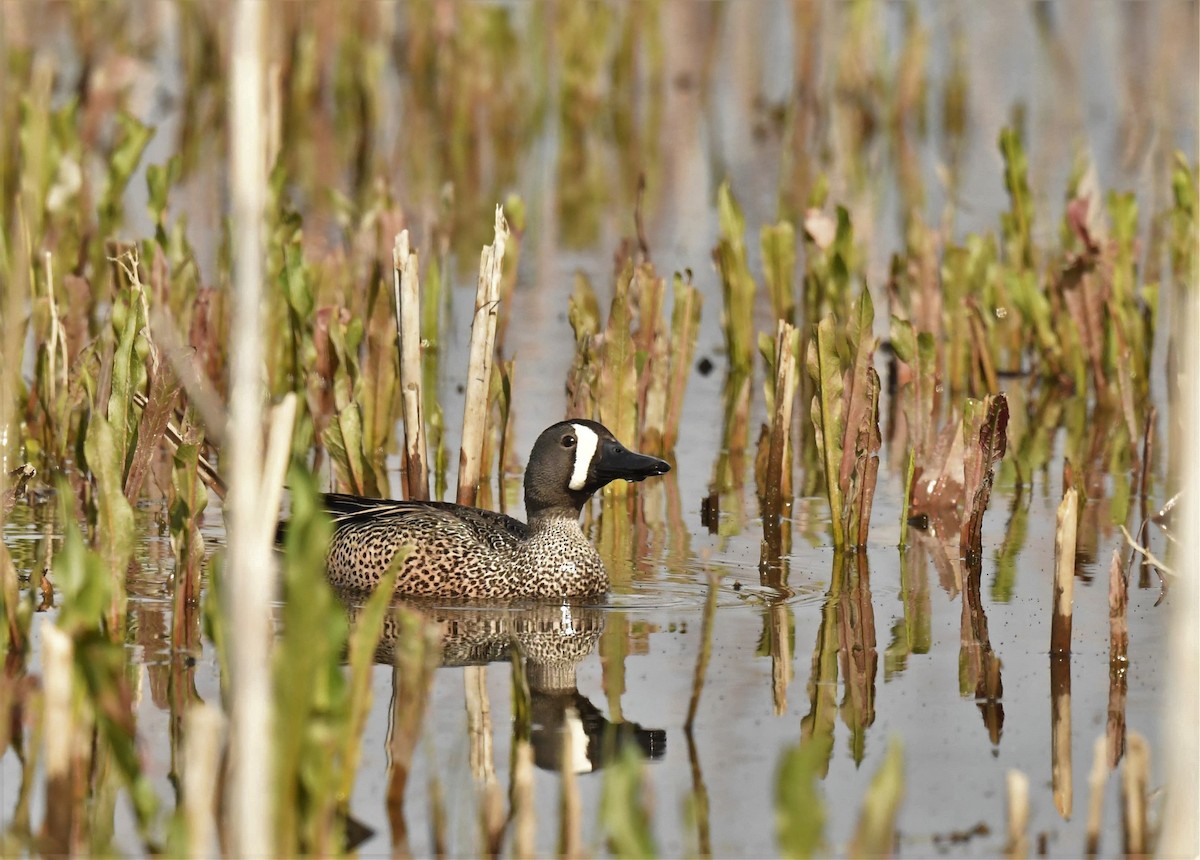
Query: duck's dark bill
617	462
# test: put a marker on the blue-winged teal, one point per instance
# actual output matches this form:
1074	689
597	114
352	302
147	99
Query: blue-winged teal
458	551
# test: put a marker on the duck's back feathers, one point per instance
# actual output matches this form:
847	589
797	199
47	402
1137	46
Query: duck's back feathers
488	527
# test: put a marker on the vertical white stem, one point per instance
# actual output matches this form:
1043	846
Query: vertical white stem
479	368
1181	827
250	559
408	328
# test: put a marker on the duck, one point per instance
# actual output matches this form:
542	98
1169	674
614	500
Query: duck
456	551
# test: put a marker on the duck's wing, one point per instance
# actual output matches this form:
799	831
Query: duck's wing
488	527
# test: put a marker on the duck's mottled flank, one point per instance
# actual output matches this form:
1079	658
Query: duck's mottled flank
458	551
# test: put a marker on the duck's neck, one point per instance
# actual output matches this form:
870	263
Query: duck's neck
541	517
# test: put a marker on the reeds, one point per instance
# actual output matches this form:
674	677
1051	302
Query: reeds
407	297
480	360
845	416
250	563
1064	573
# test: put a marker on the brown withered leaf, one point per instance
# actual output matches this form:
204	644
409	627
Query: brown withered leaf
1078	211
1085	287
162	390
990	442
866	470
937	483
204	335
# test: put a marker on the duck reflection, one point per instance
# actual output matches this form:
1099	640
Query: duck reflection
551	641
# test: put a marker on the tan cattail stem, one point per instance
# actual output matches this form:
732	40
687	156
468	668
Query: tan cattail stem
407	294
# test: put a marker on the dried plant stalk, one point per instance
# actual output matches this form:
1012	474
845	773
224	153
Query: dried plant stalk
985	430
1061	776
779	462
685	326
407	291
1118	623
251	563
1180	834
1064	572
479	367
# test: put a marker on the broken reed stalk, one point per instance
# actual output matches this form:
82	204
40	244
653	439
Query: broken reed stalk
779	458
1180	833
1061	774
251	563
58	337
201	767
685	326
1064	573
1135	777
1118	622
470	461
1117	661
1018	815
479	367
1096	781
407	295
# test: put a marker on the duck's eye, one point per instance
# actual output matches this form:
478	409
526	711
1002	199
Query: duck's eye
568	441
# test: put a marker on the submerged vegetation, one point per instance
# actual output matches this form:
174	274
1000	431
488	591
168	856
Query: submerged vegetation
997	355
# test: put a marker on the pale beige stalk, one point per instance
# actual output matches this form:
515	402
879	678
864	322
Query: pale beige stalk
407	296
479	367
251	563
1181	826
1064	572
475	412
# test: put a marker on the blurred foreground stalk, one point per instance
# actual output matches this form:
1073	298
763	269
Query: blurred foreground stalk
251	565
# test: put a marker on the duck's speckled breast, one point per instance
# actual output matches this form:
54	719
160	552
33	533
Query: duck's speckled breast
462	552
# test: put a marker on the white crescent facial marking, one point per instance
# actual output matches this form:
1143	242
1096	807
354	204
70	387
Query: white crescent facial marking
586	443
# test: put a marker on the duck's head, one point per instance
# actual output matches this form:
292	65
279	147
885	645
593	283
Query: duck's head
573	459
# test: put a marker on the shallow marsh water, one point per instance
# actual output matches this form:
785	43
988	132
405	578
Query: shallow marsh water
885	658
